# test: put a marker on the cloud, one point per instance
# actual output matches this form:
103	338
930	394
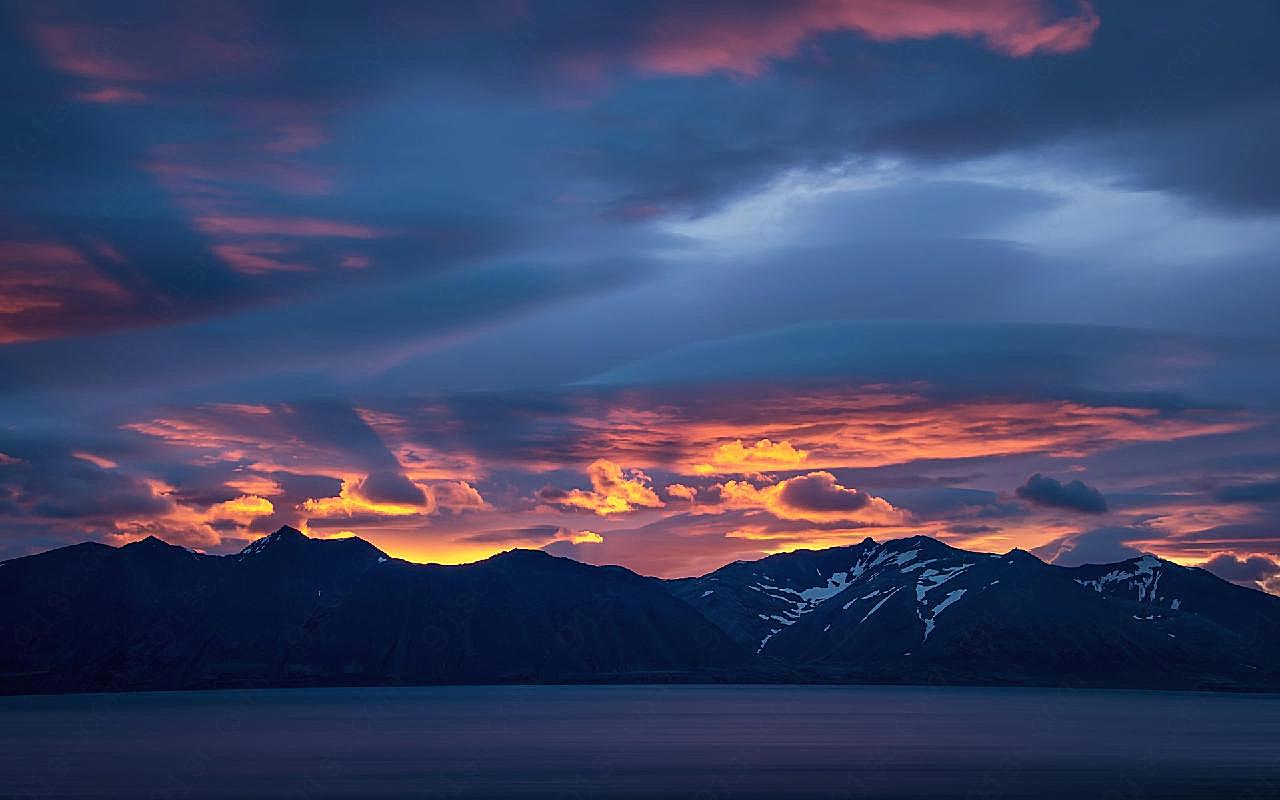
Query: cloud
260	485
69	495
52	289
456	497
815	497
701	39
162	48
97	461
674	490
279	226
1051	493
389	486
351	501
1098	546
112	95
819	491
612	492
1255	492
243	509
1256	572
535	535
761	456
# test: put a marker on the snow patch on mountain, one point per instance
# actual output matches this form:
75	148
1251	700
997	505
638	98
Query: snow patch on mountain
876	607
1142	576
931	620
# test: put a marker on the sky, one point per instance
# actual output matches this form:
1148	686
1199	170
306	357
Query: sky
663	285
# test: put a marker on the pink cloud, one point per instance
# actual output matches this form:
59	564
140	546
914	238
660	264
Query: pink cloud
84	51
694	42
455	497
50	289
112	95
256	258
641	212
217	225
187	173
165	48
295	137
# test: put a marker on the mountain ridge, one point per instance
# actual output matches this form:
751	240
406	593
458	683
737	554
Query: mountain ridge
289	609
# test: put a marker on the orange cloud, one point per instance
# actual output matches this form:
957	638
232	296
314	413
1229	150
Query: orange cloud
682	492
762	456
819	431
694	41
256	484
97	461
350	502
419	461
193	527
612	492
243	509
584	537
243	408
456	497
218	437
815	497
864	428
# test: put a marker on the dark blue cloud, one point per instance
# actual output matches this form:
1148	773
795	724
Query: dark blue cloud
1253	571
1052	493
1255	492
1097	546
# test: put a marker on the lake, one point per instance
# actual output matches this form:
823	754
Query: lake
642	741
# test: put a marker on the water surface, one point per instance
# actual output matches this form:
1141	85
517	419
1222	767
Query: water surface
642	741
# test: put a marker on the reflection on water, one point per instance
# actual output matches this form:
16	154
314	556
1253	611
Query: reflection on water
610	741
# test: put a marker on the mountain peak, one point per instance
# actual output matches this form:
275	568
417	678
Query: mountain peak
283	535
1024	555
293	542
520	554
153	543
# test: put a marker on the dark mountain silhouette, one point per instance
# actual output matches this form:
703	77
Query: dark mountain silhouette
291	610
918	610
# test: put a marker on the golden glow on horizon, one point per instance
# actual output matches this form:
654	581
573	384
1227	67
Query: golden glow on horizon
774	454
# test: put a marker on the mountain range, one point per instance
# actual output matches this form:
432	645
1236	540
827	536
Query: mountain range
290	610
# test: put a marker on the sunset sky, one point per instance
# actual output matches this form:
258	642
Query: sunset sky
655	284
